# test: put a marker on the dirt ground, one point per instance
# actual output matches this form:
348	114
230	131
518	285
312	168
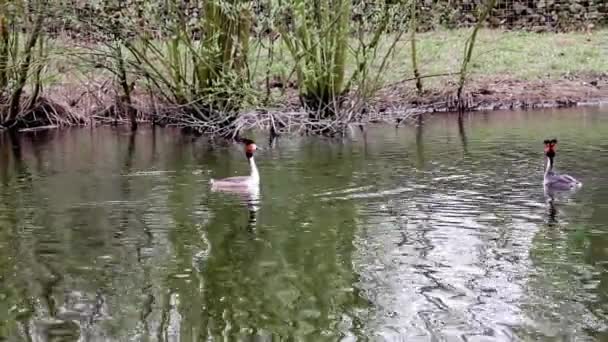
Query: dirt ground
395	101
498	93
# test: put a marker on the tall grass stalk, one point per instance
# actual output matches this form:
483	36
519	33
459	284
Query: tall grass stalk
318	44
209	76
468	50
5	37
414	53
17	60
125	100
37	82
367	51
368	79
109	54
195	72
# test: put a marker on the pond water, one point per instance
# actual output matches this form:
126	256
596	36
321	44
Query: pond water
429	233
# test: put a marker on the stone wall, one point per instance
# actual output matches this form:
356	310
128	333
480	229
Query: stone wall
536	15
560	15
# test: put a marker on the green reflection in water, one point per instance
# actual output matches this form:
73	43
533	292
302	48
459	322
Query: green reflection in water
436	230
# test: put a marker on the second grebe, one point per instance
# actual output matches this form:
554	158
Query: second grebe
553	180
241	183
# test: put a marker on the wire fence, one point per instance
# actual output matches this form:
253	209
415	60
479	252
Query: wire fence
535	15
532	15
550	14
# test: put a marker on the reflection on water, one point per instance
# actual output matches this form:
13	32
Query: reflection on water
439	231
249	198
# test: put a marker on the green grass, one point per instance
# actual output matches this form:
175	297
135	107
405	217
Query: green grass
522	55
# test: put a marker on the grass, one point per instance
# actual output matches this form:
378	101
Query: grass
516	54
522	55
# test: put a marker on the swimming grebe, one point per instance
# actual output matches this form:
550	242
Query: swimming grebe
553	180
241	183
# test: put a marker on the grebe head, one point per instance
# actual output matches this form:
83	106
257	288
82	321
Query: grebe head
250	147
550	147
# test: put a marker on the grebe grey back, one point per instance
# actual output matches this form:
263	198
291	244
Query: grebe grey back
552	179
241	183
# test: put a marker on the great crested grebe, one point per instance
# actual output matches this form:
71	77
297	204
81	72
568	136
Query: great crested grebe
553	180
241	183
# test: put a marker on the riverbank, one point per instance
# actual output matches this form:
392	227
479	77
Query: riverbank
509	70
499	92
400	101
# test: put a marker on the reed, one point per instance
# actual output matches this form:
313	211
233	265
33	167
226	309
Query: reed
468	50
414	53
196	70
202	68
317	41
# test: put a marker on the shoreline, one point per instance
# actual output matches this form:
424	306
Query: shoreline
510	71
501	93
399	101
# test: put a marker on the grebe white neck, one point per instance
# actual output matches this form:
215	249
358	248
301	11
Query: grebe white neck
255	176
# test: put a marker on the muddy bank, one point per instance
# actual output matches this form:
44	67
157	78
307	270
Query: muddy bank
396	101
496	93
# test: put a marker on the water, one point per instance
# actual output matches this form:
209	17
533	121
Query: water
430	234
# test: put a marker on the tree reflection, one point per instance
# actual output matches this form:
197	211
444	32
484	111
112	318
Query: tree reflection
15	306
462	133
291	276
131	247
420	142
